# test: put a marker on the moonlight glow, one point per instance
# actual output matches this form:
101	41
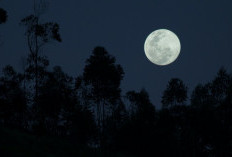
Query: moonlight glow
162	47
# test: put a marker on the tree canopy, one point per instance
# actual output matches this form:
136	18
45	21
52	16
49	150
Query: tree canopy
3	16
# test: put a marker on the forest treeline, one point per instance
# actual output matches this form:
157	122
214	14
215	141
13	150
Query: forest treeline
90	109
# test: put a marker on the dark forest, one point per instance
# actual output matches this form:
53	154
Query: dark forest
48	113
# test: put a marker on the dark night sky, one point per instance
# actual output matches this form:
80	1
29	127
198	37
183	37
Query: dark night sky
121	26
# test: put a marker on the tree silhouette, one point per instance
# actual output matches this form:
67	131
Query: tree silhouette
56	96
202	96
3	16
221	92
175	93
143	110
212	114
13	106
104	77
137	133
38	34
220	85
29	77
213	93
81	125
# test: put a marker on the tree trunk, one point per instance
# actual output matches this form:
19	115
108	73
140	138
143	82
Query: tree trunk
36	65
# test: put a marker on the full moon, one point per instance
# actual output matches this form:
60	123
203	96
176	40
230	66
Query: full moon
162	47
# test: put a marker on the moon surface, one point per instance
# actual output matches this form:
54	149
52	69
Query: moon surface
162	47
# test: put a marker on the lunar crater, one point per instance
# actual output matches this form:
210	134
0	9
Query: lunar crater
162	47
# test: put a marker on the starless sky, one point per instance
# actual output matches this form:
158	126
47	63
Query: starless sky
121	26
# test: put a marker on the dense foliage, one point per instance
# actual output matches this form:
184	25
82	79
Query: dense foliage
88	112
